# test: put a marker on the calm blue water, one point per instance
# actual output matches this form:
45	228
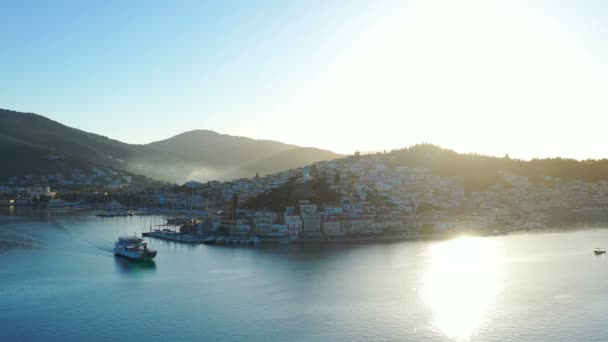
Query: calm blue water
59	281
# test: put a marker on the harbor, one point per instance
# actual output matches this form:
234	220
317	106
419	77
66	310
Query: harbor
66	261
177	229
174	236
194	233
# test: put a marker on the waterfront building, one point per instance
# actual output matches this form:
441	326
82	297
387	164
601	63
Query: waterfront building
332	210
332	227
358	224
264	218
311	219
293	223
275	230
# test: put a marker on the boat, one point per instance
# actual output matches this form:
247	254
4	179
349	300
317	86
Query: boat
220	240
209	240
178	221
599	251
254	241
105	213
114	213
133	247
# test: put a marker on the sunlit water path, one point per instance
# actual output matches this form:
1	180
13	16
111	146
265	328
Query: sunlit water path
59	281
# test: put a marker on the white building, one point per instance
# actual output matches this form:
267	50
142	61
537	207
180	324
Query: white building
294	224
332	228
311	219
264	218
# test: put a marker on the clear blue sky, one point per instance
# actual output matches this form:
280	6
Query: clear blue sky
341	75
144	70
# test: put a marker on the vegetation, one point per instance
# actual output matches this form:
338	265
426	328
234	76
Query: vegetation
374	198
31	144
27	140
480	171
316	191
425	207
427	229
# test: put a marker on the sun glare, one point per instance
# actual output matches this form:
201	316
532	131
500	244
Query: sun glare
461	284
463	74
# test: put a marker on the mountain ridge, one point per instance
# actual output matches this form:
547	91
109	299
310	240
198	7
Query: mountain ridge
198	154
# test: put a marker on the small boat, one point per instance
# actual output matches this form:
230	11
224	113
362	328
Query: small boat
220	240
254	241
286	240
133	247
599	251
104	214
114	213
178	221
233	240
210	240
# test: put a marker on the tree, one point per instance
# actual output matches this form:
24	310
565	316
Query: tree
290	193
425	207
314	172
427	228
323	175
235	202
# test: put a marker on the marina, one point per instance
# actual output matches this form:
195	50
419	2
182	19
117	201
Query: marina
174	236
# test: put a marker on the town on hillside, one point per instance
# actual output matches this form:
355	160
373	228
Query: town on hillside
357	197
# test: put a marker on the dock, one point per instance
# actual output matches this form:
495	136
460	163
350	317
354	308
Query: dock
175	236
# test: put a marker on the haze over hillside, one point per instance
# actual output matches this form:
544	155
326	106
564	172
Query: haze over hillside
29	144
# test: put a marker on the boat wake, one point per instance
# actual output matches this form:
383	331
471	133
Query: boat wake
107	248
17	243
88	243
17	239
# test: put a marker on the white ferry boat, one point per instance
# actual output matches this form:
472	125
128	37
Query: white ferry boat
133	247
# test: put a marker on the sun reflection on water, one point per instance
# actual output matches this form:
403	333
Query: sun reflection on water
461	284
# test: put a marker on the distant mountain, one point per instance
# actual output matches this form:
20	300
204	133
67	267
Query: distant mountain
219	149
210	155
285	160
33	144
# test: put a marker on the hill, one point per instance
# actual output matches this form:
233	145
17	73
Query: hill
285	160
28	141
480	171
218	149
29	144
205	155
290	193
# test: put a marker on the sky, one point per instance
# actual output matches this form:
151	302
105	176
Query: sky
527	78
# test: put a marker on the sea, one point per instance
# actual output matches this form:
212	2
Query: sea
60	281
